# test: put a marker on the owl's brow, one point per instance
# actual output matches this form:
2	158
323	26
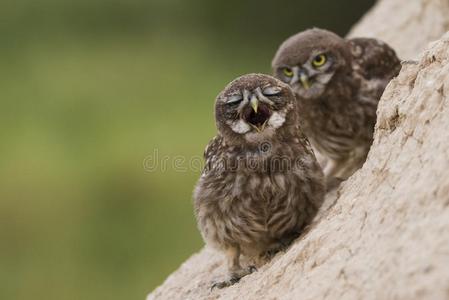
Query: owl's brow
234	97
271	90
285	66
317	52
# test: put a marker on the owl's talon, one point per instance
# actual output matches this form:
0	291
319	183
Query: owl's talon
252	269
333	183
223	284
234	278
282	245
270	254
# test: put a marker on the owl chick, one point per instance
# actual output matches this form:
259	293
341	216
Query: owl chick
261	184
338	83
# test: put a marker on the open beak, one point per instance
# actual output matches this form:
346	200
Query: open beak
254	103
257	113
304	80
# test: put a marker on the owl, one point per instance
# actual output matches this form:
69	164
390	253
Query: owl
338	83
261	184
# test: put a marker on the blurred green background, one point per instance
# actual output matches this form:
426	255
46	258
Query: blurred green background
88	90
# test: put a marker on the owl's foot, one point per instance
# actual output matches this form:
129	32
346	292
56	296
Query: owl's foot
333	183
234	278
409	62
281	246
223	284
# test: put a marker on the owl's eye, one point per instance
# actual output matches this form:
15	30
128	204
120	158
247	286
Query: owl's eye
288	72
319	60
234	99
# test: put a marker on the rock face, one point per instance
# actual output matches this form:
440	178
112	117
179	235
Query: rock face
384	234
407	25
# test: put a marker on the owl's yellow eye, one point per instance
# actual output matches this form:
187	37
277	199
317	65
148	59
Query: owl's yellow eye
288	72
319	60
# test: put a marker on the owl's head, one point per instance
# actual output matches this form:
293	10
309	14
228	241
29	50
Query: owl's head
310	60
254	107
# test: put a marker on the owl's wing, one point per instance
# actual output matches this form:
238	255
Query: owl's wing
374	58
211	153
304	141
376	63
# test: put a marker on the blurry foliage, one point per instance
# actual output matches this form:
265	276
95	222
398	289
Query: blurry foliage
88	89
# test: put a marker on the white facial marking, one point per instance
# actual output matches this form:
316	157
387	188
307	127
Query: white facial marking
235	98
276	120
240	127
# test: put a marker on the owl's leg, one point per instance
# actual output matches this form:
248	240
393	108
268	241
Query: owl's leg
337	171
330	168
332	172
236	272
281	245
354	162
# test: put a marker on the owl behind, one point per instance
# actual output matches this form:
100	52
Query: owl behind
338	84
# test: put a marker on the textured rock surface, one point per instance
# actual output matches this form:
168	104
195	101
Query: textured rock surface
385	233
407	25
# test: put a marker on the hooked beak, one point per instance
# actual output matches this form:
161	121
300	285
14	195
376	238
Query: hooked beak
304	80
254	103
257	114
